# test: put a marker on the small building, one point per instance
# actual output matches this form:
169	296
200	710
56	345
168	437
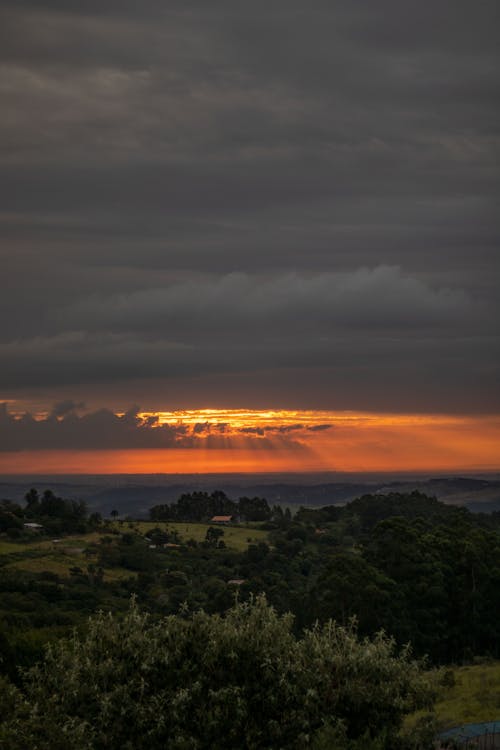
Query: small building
221	519
33	526
236	581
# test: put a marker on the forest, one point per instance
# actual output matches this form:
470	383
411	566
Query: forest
265	630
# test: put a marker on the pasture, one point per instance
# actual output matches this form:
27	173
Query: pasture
474	696
79	550
235	537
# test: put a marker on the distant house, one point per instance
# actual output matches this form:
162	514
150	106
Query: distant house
221	519
33	526
236	581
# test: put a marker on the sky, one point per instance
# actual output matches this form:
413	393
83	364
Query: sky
270	207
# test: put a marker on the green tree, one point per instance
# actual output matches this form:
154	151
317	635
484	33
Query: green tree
203	681
254	509
214	533
32	501
350	587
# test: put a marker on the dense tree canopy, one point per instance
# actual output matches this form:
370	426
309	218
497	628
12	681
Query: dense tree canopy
197	681
201	506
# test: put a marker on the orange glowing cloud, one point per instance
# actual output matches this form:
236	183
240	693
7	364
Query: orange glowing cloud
217	440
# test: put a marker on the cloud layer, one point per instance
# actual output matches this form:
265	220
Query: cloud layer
248	203
70	439
64	428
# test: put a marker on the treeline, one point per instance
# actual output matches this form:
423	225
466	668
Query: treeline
365	512
54	514
201	506
427	572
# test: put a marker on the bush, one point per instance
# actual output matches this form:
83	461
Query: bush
205	681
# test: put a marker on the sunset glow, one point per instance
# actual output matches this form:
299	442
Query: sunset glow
218	440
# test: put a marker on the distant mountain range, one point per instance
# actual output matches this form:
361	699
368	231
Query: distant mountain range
134	494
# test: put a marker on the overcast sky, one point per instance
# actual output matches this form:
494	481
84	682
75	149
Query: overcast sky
280	204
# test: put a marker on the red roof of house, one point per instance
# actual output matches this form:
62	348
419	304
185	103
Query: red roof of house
221	519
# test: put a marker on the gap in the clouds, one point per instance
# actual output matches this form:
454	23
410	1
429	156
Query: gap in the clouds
248	441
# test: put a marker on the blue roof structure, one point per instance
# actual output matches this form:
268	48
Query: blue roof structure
470	731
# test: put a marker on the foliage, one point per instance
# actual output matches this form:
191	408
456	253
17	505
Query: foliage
55	513
428	573
236	536
213	537
367	684
200	506
201	681
365	512
429	576
11	516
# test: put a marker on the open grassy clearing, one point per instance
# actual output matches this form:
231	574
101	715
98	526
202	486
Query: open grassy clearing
49	556
72	551
44	564
74	540
465	695
235	537
474	697
6	548
61	565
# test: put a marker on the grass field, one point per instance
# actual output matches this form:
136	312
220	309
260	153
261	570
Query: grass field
6	548
47	556
77	540
59	557
45	564
475	696
471	695
235	537
60	563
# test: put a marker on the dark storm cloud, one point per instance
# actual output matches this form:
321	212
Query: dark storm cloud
94	430
63	408
380	298
192	191
103	429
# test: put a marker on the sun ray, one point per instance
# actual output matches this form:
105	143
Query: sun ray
244	440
